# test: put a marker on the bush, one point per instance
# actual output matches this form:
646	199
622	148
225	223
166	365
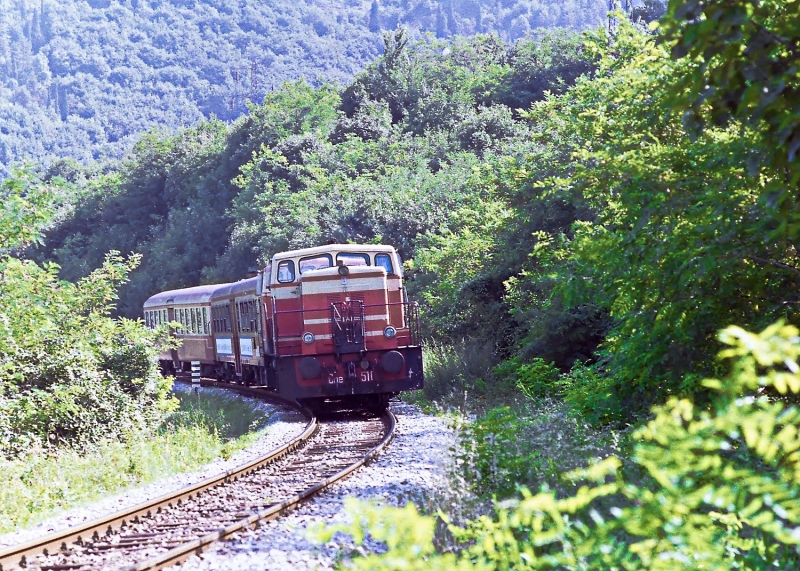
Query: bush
535	379
454	370
490	454
721	489
69	374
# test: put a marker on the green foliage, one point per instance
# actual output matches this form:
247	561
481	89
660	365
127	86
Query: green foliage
25	207
408	535
218	412
536	378
70	374
651	238
454	372
452	265
743	66
398	155
599	397
490	455
720	492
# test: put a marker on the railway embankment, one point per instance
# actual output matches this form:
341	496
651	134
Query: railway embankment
413	468
277	426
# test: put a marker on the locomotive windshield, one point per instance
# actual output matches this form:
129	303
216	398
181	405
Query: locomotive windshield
352	259
315	263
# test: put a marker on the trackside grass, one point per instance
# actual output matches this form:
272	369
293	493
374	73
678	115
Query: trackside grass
206	426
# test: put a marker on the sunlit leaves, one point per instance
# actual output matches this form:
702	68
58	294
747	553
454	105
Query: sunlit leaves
70	375
714	488
26	205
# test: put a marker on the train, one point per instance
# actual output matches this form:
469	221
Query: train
327	326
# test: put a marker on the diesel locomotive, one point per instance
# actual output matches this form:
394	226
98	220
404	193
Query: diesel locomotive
325	326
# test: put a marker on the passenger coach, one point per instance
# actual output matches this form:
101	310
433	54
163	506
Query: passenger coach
321	325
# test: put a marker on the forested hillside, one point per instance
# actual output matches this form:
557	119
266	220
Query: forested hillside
83	79
390	157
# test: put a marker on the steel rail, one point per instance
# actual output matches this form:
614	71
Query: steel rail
181	553
16	556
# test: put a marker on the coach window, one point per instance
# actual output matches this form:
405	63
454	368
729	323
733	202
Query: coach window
286	272
242	316
351	259
384	261
315	263
255	322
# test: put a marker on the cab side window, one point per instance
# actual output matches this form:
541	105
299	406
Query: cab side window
286	272
384	261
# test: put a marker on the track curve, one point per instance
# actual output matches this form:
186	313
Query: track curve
168	530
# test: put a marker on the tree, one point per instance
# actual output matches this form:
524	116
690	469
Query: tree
374	17
26	206
743	58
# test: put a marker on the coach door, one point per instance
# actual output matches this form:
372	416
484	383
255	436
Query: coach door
235	336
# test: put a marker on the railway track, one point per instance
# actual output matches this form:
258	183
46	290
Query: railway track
168	530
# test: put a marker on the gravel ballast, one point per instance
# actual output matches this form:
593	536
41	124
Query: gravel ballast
413	467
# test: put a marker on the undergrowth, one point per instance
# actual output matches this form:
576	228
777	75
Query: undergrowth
703	487
509	434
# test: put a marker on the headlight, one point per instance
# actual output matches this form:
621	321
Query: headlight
389	332
308	337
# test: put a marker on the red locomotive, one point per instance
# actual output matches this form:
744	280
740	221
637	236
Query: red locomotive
322	325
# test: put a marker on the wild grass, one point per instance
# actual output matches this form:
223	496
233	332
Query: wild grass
505	440
456	375
206	426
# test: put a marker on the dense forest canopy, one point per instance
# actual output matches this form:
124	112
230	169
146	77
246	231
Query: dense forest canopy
83	79
388	157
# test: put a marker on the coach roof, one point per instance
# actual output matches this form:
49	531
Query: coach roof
242	287
188	296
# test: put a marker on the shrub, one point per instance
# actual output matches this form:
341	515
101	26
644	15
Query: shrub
721	489
451	370
490	454
534	379
69	374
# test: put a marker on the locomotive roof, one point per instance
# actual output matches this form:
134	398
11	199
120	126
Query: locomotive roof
242	287
186	296
335	248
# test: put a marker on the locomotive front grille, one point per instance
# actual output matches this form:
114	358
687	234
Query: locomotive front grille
347	326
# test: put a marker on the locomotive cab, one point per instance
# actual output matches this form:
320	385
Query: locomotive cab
341	329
